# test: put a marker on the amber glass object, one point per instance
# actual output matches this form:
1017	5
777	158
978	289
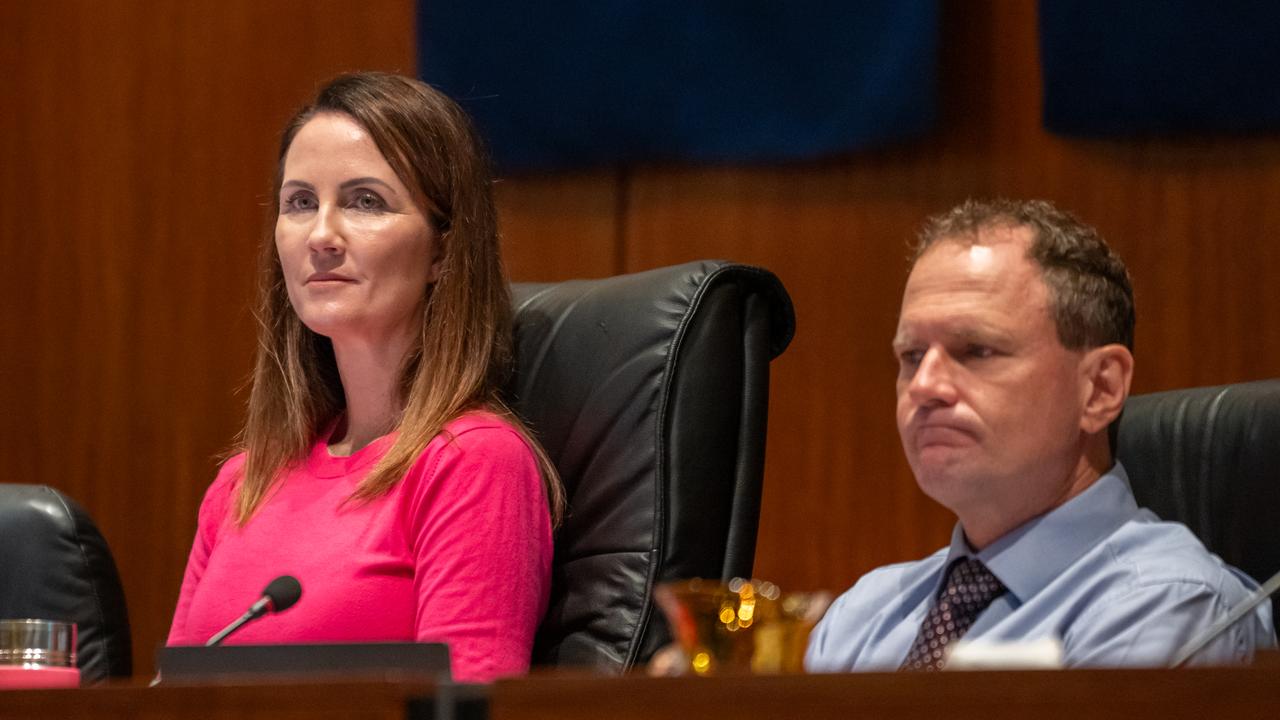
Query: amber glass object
743	626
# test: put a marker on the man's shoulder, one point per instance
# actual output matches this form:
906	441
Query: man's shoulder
1151	586
877	602
874	589
1147	553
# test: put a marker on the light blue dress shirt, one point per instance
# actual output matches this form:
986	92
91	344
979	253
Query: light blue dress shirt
1117	586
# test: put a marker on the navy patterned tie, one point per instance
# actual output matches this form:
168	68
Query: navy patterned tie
969	589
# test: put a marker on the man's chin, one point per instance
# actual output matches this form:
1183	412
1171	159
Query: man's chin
941	458
944	476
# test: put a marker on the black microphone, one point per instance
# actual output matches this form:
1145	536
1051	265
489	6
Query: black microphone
1197	643
280	594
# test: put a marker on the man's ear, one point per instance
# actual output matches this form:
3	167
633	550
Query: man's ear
1106	373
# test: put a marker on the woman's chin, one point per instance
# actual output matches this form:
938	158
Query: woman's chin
332	325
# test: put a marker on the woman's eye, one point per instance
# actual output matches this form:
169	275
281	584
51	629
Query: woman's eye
368	201
909	358
980	352
299	202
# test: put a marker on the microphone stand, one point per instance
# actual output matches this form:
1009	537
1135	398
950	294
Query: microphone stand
255	611
1231	618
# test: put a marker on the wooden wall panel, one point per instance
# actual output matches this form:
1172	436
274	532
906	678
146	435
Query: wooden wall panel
135	153
562	227
137	141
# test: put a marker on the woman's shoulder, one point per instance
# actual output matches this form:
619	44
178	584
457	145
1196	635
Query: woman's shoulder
479	461
480	419
229	474
480	430
478	439
232	466
218	496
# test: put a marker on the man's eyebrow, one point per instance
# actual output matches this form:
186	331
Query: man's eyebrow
981	334
967	334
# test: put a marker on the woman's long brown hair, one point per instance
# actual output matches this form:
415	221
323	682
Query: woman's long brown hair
463	351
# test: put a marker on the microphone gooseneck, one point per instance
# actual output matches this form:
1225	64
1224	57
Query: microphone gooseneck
279	595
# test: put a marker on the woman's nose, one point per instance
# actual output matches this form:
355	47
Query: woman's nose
325	234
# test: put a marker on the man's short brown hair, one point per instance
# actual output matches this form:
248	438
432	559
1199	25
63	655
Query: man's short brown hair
1089	287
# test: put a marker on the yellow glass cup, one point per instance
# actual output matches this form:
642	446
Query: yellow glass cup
743	626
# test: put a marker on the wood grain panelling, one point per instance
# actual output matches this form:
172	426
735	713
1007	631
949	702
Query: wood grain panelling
137	142
556	228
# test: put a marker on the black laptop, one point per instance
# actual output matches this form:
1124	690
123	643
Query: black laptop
202	663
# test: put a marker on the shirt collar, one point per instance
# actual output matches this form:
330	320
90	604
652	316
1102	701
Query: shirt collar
1029	557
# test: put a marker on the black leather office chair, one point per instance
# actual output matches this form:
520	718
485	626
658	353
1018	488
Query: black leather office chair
55	565
1209	458
650	393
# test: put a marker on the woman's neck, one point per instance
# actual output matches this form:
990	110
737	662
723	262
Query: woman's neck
370	374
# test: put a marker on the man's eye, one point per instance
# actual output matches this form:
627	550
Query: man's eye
368	201
980	352
299	202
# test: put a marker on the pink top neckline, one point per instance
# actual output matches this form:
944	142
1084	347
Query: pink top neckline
324	465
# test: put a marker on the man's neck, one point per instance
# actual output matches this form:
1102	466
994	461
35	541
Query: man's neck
987	526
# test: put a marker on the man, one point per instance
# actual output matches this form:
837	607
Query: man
1014	346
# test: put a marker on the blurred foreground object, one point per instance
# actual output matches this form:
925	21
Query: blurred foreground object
1041	654
740	626
38	654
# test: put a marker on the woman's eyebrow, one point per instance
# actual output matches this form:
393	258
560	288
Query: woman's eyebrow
365	181
345	185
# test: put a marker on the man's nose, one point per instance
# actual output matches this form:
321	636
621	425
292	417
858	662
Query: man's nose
934	380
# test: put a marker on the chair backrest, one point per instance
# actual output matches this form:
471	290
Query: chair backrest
55	565
1209	458
650	393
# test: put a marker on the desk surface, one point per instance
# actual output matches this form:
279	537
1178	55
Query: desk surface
1198	694
382	699
1194	694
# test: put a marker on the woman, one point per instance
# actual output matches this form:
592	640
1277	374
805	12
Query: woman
379	465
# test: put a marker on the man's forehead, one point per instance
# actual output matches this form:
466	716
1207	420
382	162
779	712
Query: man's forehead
956	325
993	234
990	260
974	284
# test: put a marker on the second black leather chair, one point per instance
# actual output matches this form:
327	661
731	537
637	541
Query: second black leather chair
650	393
1209	458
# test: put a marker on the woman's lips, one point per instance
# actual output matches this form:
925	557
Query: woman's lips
327	278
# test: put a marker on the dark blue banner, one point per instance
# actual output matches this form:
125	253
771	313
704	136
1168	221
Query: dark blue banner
576	84
1160	67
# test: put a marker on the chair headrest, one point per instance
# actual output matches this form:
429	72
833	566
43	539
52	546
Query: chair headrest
55	565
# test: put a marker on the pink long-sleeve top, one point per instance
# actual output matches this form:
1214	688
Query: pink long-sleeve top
459	551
